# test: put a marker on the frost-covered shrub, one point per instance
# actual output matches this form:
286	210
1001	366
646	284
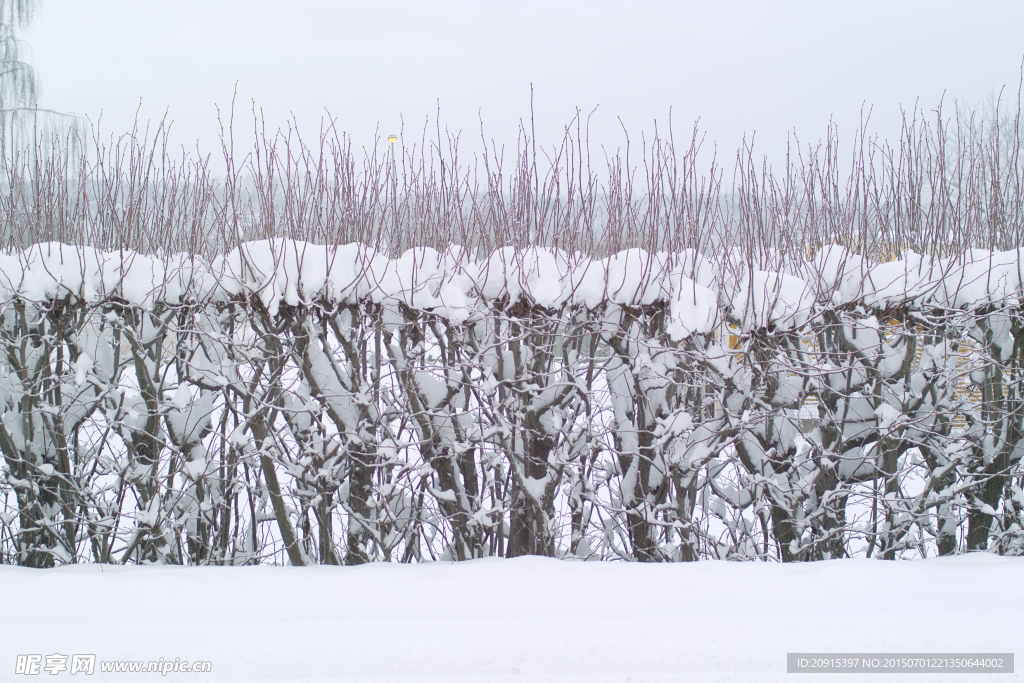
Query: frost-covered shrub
369	408
308	362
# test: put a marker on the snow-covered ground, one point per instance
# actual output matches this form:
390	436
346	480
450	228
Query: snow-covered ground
528	619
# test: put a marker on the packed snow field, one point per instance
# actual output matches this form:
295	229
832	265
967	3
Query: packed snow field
530	619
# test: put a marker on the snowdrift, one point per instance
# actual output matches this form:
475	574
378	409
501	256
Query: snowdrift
503	620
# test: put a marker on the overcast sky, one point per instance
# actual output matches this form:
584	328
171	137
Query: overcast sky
740	67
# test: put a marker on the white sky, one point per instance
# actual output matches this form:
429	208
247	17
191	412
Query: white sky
741	67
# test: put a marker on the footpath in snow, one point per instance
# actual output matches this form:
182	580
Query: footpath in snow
528	619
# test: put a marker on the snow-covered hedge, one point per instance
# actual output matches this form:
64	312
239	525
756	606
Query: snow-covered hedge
310	403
